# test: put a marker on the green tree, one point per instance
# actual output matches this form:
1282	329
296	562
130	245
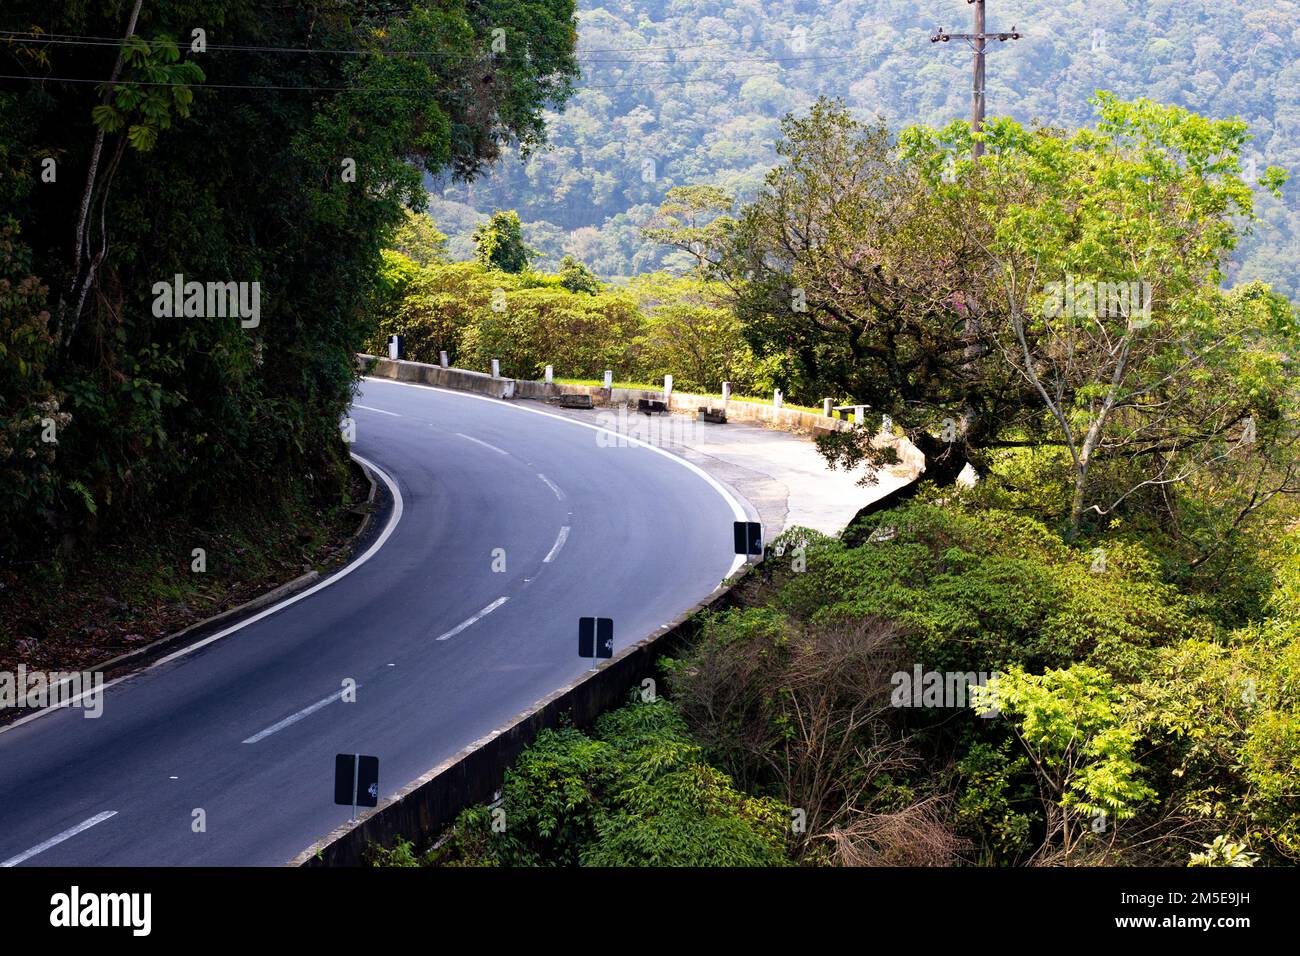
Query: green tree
576	277
850	263
636	792
288	171
1082	746
499	243
419	240
692	334
1103	254
696	220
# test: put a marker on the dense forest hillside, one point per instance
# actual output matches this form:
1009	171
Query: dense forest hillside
116	407
688	91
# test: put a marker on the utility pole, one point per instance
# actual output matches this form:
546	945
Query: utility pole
977	41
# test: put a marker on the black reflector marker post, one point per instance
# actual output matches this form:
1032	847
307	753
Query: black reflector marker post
595	638
749	538
356	781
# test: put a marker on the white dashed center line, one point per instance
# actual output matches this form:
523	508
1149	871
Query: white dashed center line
59	838
478	441
294	718
477	617
371	408
559	495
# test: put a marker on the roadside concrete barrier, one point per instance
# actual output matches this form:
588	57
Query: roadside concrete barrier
772	416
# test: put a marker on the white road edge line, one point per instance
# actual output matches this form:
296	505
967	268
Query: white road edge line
479	441
473	620
737	509
559	495
559	543
56	840
294	718
320	586
371	408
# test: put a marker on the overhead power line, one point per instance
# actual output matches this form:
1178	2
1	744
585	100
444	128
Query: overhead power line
632	84
72	39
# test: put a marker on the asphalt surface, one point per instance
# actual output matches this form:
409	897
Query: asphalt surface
245	728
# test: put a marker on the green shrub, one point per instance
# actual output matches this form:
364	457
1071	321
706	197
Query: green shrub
981	590
637	792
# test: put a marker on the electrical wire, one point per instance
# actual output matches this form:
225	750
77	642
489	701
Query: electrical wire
72	39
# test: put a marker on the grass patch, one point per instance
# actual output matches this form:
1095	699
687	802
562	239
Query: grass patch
599	382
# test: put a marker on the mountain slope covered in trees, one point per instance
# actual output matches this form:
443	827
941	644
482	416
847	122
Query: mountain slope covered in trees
675	92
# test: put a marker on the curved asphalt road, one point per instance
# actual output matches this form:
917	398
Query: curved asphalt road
246	727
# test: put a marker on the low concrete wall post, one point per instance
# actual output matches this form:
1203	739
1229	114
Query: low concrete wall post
443	360
737	410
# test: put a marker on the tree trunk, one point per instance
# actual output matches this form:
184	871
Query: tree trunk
944	461
1076	501
62	338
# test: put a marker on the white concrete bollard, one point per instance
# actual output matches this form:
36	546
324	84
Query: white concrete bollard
496	368
668	388
777	398
550	374
857	415
826	407
726	394
609	379
443	360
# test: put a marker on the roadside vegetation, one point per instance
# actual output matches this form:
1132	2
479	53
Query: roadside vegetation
1136	723
636	791
477	311
87	608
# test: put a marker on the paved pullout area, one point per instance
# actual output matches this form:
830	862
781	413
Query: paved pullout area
779	473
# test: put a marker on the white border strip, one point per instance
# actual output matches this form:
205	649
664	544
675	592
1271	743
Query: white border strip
559	543
347	569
